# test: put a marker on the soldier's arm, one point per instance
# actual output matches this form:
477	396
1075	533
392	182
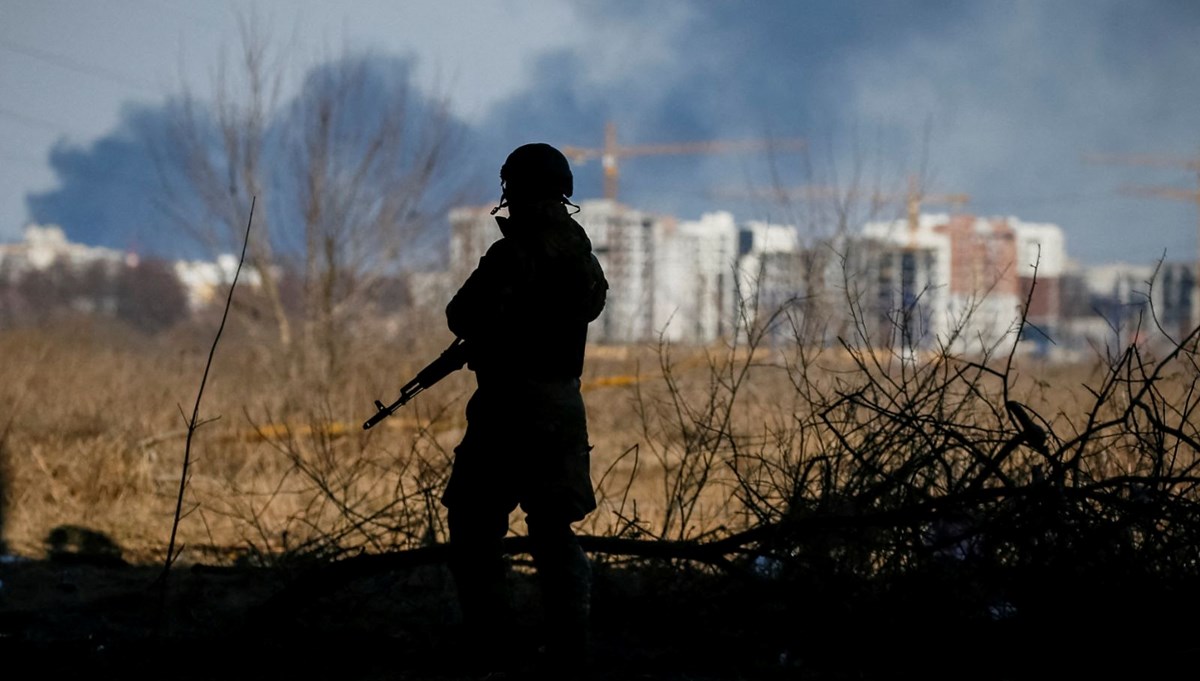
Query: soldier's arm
597	290
482	301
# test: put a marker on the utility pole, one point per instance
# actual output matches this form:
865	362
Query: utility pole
1174	193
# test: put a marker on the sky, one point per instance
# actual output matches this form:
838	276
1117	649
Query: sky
1008	102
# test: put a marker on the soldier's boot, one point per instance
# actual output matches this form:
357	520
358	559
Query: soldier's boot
481	579
564	575
487	625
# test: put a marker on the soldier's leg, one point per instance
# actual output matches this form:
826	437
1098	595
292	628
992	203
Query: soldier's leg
480	576
478	505
564	574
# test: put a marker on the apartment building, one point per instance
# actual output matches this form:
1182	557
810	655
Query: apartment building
959	281
695	283
935	280
898	278
671	279
47	245
625	242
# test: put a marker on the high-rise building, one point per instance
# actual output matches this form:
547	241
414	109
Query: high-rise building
773	276
898	279
625	241
472	230
931	281
1173	297
695	287
957	281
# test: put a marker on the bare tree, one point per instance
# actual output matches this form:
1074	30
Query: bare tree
351	172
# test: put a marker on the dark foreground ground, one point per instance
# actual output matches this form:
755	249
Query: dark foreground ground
84	620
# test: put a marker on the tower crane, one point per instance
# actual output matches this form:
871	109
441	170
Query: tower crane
632	278
612	151
914	197
1192	196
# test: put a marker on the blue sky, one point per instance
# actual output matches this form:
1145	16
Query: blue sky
998	100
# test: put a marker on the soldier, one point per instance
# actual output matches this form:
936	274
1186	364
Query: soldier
523	314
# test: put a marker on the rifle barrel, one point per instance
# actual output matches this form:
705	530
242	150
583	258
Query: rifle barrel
452	359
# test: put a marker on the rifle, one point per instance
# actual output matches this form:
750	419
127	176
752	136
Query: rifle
452	359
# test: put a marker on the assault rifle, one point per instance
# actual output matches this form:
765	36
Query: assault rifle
452	359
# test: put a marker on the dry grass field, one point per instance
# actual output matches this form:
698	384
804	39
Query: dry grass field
95	429
842	475
95	433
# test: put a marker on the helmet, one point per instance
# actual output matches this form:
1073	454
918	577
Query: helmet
537	171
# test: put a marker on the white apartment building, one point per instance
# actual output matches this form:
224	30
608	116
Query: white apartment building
472	230
624	241
1174	297
46	245
666	277
764	277
1123	297
958	281
898	277
204	281
696	279
773	276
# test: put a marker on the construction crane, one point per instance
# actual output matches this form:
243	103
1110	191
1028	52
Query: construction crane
612	151
1192	196
913	198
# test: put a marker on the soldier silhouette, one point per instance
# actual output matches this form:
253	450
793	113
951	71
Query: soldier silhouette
523	315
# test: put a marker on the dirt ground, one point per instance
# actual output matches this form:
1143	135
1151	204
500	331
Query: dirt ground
81	618
89	619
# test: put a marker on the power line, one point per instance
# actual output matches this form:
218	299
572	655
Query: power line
193	19
30	120
77	66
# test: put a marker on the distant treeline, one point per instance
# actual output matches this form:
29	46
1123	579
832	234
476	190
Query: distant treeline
145	294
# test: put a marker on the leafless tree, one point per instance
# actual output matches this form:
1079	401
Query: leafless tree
347	172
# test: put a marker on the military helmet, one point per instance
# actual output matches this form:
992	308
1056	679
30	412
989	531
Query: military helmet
537	171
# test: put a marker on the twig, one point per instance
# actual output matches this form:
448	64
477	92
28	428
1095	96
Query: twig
194	422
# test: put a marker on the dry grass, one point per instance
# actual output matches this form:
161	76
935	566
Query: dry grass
95	438
96	432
